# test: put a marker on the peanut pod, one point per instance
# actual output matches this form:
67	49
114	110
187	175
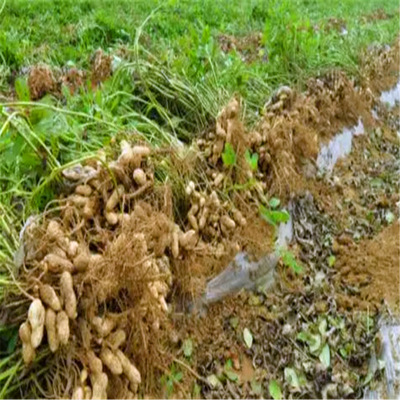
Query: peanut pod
51	329
68	294
36	317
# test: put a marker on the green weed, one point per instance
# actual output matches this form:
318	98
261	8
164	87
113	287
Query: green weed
171	379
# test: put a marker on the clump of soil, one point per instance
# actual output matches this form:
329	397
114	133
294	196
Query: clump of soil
41	81
372	266
73	79
249	47
380	68
337	24
377	15
101	67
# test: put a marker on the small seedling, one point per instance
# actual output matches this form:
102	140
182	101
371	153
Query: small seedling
274	202
228	155
289	260
252	159
228	370
331	260
274	217
169	380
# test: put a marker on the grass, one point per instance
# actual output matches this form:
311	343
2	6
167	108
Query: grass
172	81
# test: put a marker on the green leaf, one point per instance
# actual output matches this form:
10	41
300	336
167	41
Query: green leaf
252	160
331	260
22	89
248	337
170	387
196	391
187	348
291	377
275	390
232	376
273	216
274	202
12	343
322	327
213	380
178	376
228	155
325	356
376	182
343	352
315	343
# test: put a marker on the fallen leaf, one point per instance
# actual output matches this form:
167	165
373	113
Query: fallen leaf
291	377
234	321
322	327
256	387
248	337
389	217
213	380
325	356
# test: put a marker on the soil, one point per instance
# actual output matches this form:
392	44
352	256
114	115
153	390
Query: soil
373	265
249	47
